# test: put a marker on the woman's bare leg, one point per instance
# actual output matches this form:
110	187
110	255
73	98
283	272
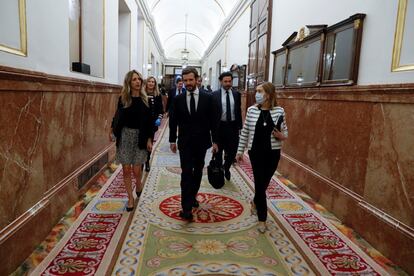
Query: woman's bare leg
128	184
137	169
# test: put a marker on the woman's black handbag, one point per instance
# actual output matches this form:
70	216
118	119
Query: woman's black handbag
215	173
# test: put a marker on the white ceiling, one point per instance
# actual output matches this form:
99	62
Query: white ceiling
205	18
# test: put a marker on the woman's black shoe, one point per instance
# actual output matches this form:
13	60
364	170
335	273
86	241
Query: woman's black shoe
138	193
147	166
129	209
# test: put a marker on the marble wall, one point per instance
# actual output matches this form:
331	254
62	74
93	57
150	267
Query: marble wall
51	127
352	149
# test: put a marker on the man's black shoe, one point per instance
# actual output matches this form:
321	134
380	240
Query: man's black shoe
186	216
227	174
147	166
196	204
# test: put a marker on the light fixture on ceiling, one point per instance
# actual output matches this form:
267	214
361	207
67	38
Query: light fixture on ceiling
185	52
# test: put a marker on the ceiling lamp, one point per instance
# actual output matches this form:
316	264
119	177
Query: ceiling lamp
185	52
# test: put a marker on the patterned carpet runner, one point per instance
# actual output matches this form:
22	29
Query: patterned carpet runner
222	240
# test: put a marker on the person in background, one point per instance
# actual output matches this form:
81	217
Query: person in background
208	89
177	90
194	114
199	86
164	96
262	134
229	103
133	130
155	105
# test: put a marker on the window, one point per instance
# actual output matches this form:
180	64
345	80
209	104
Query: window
327	56
178	71
86	36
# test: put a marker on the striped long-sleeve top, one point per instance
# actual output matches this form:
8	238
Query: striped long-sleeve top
247	133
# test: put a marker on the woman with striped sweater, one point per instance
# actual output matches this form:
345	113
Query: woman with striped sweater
262	134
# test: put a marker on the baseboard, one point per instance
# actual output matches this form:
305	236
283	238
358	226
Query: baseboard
395	240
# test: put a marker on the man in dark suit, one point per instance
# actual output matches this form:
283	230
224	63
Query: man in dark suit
200	86
194	115
229	105
175	91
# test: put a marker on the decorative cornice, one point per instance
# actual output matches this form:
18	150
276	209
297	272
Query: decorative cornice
235	14
149	20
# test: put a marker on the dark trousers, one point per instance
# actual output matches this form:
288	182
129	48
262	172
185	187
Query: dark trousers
228	140
192	164
264	165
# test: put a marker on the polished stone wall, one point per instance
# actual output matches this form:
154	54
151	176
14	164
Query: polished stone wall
352	149
51	129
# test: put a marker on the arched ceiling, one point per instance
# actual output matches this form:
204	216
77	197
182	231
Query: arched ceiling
204	19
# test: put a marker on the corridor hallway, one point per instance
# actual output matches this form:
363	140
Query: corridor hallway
223	240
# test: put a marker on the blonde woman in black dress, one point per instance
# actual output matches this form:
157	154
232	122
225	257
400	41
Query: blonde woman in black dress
132	129
155	104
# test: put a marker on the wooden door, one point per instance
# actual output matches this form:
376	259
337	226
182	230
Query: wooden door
259	52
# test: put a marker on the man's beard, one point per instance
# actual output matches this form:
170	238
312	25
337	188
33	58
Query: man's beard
190	88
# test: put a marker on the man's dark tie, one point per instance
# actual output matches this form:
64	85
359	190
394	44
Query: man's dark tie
228	109
192	104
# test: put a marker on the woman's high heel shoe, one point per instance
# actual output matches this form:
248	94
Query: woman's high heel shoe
262	227
129	209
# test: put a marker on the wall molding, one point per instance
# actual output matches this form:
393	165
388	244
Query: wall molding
389	93
22	80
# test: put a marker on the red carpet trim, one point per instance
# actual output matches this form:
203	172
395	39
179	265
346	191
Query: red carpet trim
83	253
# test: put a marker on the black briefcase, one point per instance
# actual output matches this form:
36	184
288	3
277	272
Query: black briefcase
215	173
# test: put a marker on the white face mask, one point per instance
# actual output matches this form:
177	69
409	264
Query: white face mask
259	98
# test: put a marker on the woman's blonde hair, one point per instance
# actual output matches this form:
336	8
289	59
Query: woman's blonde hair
156	90
126	97
270	91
